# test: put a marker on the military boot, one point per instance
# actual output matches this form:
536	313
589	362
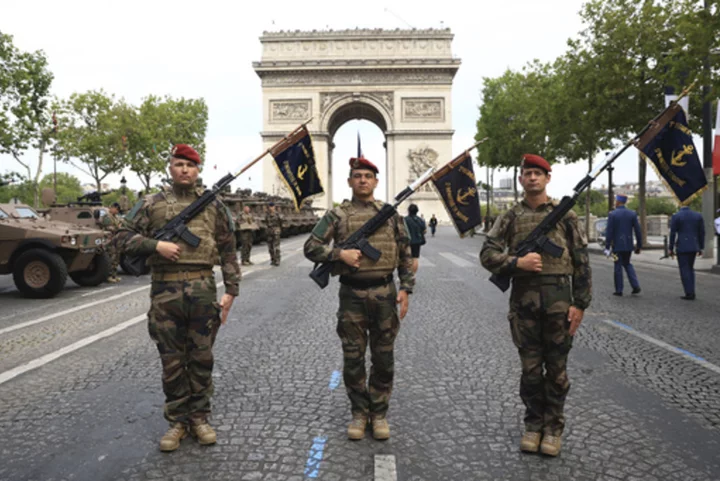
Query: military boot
204	433
381	429
356	429
550	445
171	440
530	442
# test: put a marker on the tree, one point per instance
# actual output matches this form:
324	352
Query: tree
90	134
156	126
25	106
68	187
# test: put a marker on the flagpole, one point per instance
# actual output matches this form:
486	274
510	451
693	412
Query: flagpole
454	162
269	150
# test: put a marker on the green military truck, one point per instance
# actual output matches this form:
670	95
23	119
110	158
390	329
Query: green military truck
41	253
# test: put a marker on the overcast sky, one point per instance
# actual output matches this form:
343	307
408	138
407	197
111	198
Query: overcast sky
206	49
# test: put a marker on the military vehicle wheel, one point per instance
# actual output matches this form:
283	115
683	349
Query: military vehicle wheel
96	273
125	269
39	273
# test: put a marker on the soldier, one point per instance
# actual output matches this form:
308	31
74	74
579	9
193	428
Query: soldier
367	296
619	236
688	228
549	296
110	223
184	316
273	228
247	228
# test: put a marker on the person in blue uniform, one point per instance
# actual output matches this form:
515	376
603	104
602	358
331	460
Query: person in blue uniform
687	228
622	222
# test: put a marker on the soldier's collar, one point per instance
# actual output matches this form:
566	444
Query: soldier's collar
360	203
550	202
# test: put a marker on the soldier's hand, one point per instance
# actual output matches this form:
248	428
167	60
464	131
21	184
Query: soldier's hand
531	262
575	316
169	250
402	299
351	257
225	304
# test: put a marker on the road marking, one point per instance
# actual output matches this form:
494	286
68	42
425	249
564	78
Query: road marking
474	255
41	361
385	467
456	260
686	354
305	263
312	466
95	292
425	262
71	310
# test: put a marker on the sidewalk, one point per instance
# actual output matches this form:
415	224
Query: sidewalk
653	255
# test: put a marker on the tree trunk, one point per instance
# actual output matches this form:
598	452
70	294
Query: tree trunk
36	181
588	198
642	211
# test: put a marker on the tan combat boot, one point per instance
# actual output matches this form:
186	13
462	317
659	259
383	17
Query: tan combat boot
204	433
530	442
171	440
551	445
381	429
356	429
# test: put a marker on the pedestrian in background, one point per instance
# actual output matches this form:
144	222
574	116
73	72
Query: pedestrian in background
433	225
688	229
548	299
622	222
417	229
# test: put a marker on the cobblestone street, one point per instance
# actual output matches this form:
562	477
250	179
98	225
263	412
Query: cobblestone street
81	397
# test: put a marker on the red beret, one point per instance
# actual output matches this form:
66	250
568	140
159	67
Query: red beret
362	163
183	151
532	160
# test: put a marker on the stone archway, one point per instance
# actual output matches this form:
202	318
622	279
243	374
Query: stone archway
401	80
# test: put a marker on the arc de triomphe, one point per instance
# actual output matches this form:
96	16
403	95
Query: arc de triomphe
401	80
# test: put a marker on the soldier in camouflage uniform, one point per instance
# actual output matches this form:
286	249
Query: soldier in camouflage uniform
548	299
184	315
247	226
368	296
273	229
110	223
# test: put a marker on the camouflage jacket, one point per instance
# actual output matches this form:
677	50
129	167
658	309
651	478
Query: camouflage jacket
134	234
110	223
274	222
318	249
497	254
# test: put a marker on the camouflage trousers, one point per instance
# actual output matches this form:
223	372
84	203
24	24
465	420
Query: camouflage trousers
273	242
368	314
246	241
114	257
183	322
539	324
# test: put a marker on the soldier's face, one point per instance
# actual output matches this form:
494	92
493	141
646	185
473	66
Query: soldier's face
362	182
246	209
183	172
534	180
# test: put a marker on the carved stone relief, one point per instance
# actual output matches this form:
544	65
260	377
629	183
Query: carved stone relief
421	159
423	109
289	110
351	78
384	98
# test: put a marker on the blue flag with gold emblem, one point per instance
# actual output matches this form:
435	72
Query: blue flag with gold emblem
669	147
295	163
456	185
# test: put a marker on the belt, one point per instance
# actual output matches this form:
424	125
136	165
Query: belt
366	283
541	280
182	275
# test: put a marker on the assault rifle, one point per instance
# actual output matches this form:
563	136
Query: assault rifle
537	240
359	239
177	227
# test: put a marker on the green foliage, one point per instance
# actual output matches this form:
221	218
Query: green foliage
23	191
115	196
25	119
68	187
655	205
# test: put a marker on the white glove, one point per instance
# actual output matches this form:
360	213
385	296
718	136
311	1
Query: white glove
606	252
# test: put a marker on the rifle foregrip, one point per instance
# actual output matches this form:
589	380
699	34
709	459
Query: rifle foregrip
321	274
370	252
502	282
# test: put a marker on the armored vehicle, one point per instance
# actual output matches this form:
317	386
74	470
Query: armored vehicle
295	222
42	253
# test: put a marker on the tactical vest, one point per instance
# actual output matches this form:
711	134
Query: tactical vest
351	218
167	205
273	222
524	220
247	222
